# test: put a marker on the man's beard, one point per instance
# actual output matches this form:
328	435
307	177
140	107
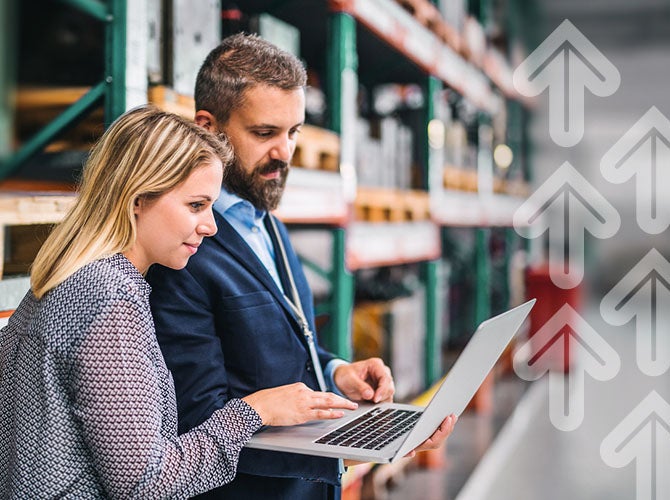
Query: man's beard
262	193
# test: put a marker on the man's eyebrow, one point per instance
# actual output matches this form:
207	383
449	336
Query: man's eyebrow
263	125
272	126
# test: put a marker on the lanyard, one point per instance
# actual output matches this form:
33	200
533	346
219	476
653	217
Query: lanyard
296	307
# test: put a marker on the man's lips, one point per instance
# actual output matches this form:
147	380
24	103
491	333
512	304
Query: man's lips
271	175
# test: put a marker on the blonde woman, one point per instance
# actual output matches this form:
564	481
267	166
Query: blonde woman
88	405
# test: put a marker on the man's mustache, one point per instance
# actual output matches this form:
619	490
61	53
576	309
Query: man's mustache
273	166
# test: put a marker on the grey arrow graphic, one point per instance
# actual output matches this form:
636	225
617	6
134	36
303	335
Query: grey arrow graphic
566	206
566	63
643	436
644	295
643	153
566	334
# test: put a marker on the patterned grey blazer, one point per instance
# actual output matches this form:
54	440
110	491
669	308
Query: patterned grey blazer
87	405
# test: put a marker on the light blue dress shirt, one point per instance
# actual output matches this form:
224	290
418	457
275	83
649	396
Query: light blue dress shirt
248	222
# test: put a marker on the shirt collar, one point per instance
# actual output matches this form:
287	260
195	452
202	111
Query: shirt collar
239	207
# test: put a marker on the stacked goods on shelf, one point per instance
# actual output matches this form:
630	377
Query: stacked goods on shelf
383	153
460	159
385	143
191	31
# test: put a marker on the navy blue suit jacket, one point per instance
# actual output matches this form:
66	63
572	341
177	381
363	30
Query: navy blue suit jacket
226	331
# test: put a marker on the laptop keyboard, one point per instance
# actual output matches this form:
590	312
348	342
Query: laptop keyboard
373	430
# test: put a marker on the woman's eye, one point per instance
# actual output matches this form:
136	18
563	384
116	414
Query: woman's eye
197	205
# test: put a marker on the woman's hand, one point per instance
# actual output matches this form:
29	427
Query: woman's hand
296	404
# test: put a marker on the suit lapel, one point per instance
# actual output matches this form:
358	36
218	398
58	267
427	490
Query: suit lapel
279	261
231	240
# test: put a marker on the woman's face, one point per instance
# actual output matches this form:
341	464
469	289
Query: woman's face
171	227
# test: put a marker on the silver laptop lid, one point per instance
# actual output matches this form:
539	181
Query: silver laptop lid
464	378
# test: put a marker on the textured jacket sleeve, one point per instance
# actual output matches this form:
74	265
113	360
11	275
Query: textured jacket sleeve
118	395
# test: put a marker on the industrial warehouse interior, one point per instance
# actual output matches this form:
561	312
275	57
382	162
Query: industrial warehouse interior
457	158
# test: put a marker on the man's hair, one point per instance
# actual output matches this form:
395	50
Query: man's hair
240	62
144	153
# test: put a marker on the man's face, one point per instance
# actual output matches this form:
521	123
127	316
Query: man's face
263	133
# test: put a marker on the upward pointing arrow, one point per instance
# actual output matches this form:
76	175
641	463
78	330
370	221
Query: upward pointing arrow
644	294
644	436
643	152
567	332
566	63
576	207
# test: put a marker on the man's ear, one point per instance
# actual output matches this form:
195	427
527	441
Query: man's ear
206	120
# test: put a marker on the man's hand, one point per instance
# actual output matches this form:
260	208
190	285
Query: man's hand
367	380
439	436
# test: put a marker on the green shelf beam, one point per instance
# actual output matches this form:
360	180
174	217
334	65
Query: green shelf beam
483	275
115	60
430	270
342	300
112	89
342	67
434	310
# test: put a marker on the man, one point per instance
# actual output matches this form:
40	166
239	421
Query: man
239	317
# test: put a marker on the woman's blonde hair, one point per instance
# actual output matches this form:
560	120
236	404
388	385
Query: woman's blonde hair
144	153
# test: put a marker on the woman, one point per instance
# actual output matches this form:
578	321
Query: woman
88	405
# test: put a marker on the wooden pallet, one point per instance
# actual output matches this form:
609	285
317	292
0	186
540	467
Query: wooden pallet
460	179
317	148
26	217
391	205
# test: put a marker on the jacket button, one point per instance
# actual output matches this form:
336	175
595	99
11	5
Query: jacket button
308	366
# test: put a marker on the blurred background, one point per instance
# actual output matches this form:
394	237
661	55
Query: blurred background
417	154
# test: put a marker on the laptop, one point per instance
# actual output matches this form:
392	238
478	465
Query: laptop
386	432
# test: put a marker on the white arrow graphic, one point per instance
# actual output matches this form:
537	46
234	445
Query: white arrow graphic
566	335
643	436
566	63
644	295
568	206
644	153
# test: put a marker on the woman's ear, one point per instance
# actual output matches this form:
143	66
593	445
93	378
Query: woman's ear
137	205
